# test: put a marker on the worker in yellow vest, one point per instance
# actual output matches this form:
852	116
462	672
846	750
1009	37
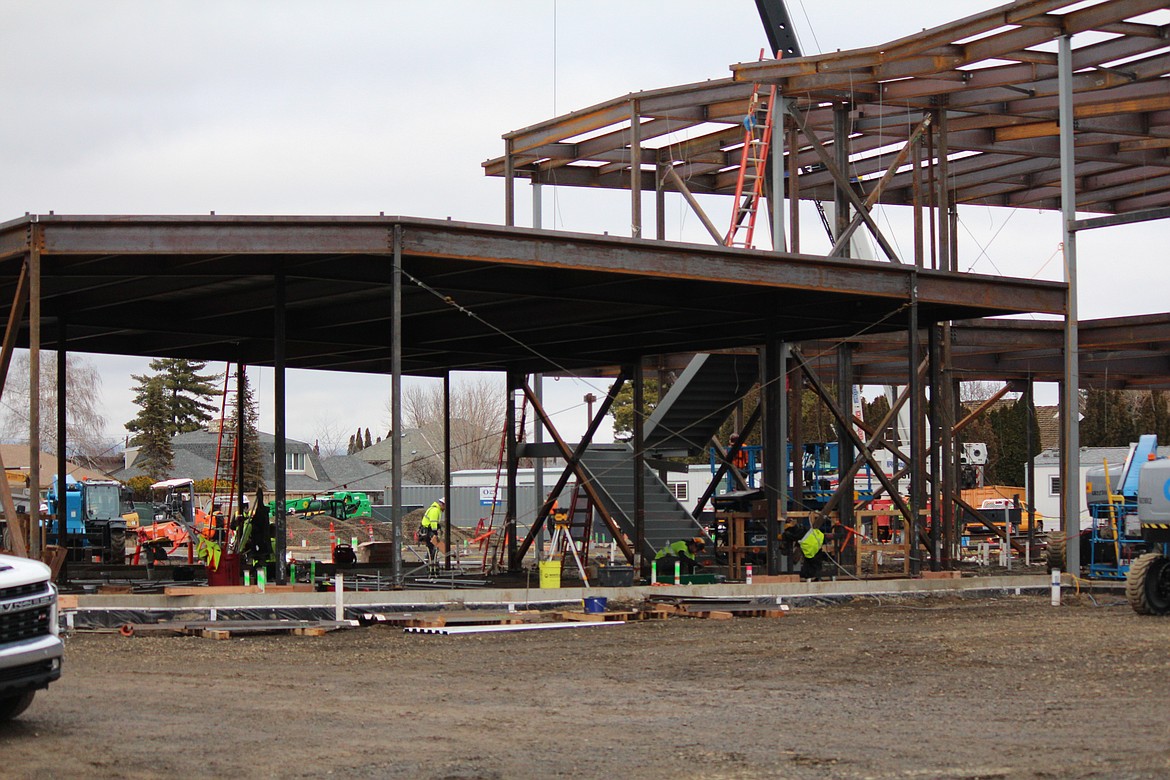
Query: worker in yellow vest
683	551
812	553
428	530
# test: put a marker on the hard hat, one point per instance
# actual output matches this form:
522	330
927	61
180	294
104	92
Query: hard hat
700	541
443	501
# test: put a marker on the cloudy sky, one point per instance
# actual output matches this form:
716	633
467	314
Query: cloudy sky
350	108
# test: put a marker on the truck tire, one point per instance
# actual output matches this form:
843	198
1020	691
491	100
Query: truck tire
1147	586
117	554
1056	556
11	706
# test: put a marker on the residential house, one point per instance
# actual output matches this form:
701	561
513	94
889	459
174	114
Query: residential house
306	473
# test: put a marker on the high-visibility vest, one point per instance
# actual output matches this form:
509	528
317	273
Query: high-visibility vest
810	543
431	517
677	549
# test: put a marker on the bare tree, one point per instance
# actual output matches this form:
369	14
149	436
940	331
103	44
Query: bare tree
330	438
978	391
84	422
477	421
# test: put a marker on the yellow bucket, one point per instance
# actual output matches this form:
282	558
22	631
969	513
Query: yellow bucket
550	574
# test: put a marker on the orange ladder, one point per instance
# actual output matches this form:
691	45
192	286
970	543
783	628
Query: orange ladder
753	166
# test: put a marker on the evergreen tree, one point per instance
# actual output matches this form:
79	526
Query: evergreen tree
1011	439
349	450
1154	415
155	455
622	409
253	476
369	442
1108	419
186	394
357	441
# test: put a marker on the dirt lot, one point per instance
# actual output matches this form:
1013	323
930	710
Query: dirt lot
1007	687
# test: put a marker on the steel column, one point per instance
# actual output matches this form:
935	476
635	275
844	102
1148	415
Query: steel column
1030	463
447	466
775	352
776	161
793	185
278	336
660	201
639	462
241	443
635	170
510	446
509	185
916	437
845	449
935	410
916	189
396	403
35	540
538	463
946	262
62	427
796	435
1070	484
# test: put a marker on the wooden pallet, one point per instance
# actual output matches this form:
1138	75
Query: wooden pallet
651	614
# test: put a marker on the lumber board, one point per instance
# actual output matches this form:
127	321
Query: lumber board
209	590
709	614
594	617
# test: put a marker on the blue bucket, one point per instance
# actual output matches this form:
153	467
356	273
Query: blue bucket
595	604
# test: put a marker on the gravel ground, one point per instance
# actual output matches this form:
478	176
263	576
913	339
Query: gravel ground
916	688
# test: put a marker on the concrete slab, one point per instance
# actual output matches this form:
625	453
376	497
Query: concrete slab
526	598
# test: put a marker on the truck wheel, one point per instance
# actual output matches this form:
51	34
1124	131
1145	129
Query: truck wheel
11	706
1147	586
1055	556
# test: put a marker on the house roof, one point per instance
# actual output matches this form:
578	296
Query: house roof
195	456
16	457
1095	456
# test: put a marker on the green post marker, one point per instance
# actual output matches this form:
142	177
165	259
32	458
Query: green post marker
653	572
313	571
247	578
261	578
678	572
292	573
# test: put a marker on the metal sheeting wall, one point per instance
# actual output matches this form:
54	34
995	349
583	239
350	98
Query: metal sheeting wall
466	508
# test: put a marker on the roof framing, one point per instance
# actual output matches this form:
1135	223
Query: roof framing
990	79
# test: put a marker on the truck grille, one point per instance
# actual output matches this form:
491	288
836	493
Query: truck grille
32	589
18	673
23	624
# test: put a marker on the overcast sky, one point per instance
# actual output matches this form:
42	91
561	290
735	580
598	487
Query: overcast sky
351	108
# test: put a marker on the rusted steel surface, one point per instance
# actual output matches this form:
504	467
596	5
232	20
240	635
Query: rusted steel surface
475	296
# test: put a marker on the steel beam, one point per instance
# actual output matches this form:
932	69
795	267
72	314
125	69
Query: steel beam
1070	406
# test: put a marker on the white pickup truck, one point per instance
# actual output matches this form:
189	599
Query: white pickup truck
30	649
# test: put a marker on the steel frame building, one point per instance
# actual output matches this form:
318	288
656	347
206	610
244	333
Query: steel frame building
991	114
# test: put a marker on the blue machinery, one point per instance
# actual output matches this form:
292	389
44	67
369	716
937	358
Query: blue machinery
820	472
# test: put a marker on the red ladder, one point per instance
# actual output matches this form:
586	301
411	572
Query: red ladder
226	441
753	165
